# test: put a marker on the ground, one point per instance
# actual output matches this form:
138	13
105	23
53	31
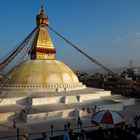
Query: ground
36	129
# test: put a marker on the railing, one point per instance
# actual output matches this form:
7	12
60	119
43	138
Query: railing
54	133
50	133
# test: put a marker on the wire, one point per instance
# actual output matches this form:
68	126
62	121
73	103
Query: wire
82	52
15	52
10	76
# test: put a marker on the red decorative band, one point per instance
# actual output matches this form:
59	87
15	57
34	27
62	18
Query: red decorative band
42	50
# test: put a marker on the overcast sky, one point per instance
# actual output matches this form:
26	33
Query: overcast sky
108	30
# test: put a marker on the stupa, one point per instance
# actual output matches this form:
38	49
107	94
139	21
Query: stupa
42	72
43	88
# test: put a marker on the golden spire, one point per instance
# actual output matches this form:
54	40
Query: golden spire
42	18
43	48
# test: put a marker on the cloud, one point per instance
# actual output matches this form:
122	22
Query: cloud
132	40
137	33
117	40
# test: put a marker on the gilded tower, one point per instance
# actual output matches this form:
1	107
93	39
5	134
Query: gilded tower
44	48
42	72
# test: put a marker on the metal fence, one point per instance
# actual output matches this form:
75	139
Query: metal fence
51	133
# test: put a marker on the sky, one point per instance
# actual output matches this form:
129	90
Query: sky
107	30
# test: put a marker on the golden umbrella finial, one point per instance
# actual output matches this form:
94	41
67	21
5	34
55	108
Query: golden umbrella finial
42	18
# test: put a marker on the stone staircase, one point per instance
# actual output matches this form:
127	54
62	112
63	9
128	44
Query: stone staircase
44	107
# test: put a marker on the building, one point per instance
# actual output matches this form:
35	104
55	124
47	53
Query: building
43	88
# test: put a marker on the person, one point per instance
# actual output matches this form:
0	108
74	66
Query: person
51	129
78	120
14	123
81	124
23	111
44	135
25	137
66	136
83	135
68	124
95	107
83	108
70	133
124	107
65	127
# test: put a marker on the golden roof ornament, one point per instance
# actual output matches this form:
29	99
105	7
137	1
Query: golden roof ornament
42	18
43	48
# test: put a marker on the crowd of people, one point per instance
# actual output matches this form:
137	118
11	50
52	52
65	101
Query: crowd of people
131	132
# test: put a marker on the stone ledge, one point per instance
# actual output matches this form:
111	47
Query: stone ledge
13	101
47	116
7	116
